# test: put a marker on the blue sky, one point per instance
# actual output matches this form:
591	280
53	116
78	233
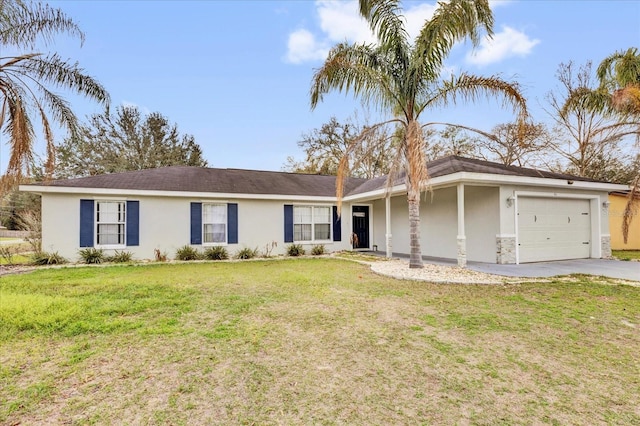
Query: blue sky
236	74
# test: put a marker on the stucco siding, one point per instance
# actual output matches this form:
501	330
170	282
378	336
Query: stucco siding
482	222
439	223
616	214
165	225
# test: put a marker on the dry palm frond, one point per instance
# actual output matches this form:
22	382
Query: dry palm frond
631	208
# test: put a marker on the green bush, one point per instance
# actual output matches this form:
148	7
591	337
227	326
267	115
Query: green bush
318	250
295	250
187	253
216	253
92	255
247	253
120	257
44	258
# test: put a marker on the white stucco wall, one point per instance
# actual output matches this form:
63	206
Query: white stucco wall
165	224
482	222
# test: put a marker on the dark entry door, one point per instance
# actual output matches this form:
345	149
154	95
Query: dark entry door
360	237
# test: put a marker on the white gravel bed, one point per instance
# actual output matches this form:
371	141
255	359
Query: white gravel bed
437	273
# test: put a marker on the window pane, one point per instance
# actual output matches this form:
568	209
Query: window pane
322	215
322	231
302	214
110	234
302	232
110	212
214	213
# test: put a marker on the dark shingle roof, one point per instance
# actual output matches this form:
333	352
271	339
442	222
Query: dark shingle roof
238	181
226	181
454	164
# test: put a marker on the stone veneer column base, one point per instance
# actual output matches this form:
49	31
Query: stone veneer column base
505	249
605	246
462	252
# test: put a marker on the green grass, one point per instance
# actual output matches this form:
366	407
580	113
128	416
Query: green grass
626	254
312	341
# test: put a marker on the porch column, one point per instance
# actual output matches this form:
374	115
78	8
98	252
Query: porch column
387	215
462	239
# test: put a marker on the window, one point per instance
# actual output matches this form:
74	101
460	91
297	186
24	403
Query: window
311	223
110	223
214	223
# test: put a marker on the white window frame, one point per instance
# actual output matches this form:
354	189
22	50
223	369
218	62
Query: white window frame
122	223
226	224
313	224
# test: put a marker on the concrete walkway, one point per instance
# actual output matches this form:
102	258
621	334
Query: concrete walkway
599	267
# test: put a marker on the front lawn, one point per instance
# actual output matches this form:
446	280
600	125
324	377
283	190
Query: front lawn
626	254
312	341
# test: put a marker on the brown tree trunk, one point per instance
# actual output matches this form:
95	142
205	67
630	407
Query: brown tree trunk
415	180
415	258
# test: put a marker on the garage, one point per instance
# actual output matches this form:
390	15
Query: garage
553	229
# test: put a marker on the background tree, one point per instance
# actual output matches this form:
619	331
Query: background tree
29	81
326	146
126	141
591	143
402	77
512	144
452	140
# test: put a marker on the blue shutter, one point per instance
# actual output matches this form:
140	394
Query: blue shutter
133	223
86	223
288	223
232	223
337	225
196	223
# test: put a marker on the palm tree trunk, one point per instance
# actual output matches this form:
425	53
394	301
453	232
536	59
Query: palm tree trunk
416	178
415	258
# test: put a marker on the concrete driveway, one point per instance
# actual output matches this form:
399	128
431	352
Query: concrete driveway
605	267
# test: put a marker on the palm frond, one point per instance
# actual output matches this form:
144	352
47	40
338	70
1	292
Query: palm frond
54	70
633	202
473	88
386	21
24	23
359	69
452	21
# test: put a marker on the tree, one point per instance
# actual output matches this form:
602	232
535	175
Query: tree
126	141
325	147
452	140
403	78
28	81
587	139
513	144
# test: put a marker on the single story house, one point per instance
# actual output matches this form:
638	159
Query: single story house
476	210
617	205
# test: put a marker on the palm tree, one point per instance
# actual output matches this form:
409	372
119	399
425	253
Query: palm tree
619	75
403	78
28	80
618	95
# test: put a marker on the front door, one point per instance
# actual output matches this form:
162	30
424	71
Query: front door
360	235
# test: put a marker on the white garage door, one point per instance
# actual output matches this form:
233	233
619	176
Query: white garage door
553	229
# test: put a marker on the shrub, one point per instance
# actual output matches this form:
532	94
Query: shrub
160	256
7	254
187	253
247	253
120	257
216	253
295	250
92	255
268	248
44	258
318	250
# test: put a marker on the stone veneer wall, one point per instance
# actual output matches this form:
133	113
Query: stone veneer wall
505	250
462	252
605	244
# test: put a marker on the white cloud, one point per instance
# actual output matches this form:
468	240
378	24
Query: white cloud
143	109
416	16
303	46
505	44
340	21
